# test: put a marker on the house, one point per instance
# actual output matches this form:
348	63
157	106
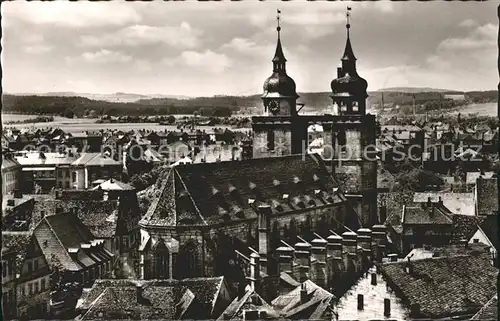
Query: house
471	177
113	188
425	224
196	298
13	249
17	212
487	233
308	301
486	191
248	305
70	248
370	298
90	167
11	173
42	172
33	282
176	150
456	203
462	283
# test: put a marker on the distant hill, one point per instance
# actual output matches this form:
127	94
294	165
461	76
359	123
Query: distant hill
121	104
414	90
114	97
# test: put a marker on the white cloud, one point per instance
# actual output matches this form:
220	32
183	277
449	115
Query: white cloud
102	56
482	37
182	36
248	47
71	14
38	49
468	23
207	60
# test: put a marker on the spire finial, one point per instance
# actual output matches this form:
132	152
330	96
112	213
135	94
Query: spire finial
278	17
348	15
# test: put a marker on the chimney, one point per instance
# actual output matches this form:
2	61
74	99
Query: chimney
349	242
415	310
318	250
393	257
303	260
360	302
383	213
409	267
264	215
440	202
334	246
285	259
374	278
365	239
429	202
255	272
387	307
378	241
303	293
140	292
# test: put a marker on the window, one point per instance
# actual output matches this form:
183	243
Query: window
42	284
23	289
270	140
67	184
36	287
476	240
36	264
30	267
341	138
4	268
30	289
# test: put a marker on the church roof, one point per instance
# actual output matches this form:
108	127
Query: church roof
213	193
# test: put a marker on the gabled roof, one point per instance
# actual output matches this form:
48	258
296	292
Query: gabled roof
250	301
35	158
489	311
490	227
95	159
56	234
394	202
420	215
160	299
464	226
290	305
457	203
487	196
444	286
114	185
212	193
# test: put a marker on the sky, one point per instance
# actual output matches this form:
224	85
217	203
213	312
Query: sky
225	48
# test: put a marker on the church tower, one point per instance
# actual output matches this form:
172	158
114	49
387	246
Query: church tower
280	131
354	161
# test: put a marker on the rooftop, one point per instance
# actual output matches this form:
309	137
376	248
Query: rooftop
462	284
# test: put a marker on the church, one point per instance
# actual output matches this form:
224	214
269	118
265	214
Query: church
207	216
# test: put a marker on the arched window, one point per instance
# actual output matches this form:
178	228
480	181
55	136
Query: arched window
270	140
161	261
188	260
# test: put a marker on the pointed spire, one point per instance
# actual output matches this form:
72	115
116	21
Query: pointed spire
279	58
348	53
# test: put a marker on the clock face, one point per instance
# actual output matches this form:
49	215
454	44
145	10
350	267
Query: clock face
274	107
